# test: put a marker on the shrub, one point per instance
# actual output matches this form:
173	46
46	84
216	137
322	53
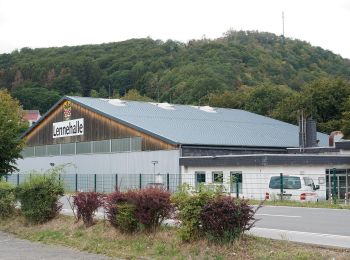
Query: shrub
225	219
125	218
87	203
152	207
7	199
189	208
110	206
39	197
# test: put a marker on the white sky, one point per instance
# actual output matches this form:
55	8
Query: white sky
46	23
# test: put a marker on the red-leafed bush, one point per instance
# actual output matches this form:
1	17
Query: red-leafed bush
226	218
149	207
110	205
87	203
152	207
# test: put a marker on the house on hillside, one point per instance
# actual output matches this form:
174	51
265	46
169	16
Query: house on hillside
31	116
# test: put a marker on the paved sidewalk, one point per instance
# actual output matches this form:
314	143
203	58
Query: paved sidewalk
12	248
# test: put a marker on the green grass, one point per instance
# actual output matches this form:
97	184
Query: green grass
319	204
163	244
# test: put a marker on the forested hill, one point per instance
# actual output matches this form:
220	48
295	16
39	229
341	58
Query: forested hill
198	72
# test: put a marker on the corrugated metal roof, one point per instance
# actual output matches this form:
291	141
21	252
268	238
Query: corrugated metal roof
184	124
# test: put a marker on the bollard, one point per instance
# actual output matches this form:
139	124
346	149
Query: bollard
95	182
116	182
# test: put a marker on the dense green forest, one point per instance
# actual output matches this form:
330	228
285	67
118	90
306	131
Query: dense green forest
260	72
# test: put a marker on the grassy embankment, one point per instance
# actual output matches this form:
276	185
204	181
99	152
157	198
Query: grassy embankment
320	204
164	244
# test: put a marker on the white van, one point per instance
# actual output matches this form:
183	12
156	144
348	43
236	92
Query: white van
295	187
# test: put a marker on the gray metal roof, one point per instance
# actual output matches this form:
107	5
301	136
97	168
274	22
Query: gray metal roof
184	124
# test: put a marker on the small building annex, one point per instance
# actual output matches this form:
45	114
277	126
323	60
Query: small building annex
194	143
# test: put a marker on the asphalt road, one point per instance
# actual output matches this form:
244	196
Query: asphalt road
12	248
328	227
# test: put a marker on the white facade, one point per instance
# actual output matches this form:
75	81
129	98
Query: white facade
255	180
107	163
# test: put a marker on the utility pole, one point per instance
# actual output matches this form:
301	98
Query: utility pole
283	27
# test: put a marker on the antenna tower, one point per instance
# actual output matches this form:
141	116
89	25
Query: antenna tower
283	26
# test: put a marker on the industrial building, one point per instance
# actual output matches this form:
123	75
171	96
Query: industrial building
194	143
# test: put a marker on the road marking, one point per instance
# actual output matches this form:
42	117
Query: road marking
273	215
296	207
303	237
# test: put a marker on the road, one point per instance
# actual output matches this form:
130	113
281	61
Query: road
329	227
12	248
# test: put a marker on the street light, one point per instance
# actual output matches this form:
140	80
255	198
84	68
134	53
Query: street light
154	166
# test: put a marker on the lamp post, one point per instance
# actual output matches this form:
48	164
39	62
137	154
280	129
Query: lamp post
154	166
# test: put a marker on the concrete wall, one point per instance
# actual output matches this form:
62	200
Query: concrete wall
107	163
256	179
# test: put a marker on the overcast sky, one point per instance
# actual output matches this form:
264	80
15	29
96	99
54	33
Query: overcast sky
47	23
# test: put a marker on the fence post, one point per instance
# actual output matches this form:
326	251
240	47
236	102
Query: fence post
140	181
334	196
281	185
6	178
237	184
95	182
76	182
116	182
17	179
59	178
167	181
346	188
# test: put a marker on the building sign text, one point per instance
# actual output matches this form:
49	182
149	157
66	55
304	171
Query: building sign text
68	128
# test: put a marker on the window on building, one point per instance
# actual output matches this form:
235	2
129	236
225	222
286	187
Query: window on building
236	181
218	177
200	178
83	147
68	148
101	146
28	152
53	149
40	150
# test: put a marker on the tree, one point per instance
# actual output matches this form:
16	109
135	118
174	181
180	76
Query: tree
67	85
264	99
345	121
324	99
133	94
11	125
34	96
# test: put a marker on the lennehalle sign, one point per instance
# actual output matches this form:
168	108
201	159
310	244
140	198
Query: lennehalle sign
68	128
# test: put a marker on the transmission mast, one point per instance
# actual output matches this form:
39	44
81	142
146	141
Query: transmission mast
283	27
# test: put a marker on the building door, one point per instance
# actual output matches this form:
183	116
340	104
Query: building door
338	184
236	182
199	178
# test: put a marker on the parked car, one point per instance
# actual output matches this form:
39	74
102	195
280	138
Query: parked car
295	187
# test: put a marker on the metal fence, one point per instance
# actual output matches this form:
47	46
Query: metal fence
107	183
331	186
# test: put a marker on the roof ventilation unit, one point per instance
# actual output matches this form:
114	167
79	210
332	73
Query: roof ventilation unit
208	109
164	105
117	102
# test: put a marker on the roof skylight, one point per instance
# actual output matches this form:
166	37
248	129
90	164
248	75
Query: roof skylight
117	102
164	105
